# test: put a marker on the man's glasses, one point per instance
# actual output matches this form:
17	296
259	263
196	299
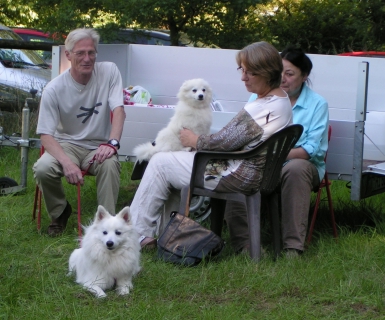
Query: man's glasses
82	54
248	73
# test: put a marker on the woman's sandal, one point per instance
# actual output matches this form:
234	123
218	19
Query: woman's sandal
147	243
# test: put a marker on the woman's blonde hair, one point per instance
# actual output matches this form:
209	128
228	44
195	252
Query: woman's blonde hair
261	58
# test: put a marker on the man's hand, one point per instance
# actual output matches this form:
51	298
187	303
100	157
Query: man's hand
104	152
72	173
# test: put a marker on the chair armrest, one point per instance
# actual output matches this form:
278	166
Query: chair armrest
203	157
276	147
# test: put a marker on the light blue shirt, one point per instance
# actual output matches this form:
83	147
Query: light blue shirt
312	112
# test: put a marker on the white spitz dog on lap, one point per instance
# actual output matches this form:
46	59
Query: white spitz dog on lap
109	254
193	111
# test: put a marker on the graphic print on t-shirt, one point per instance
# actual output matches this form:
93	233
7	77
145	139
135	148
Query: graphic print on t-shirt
89	112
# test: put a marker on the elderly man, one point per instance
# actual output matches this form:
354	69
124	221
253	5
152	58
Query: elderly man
75	127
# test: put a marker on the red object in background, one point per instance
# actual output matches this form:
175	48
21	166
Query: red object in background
31	32
375	54
37	35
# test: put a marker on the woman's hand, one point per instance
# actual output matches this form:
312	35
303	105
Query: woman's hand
298	153
188	138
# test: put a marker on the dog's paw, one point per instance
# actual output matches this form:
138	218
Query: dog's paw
97	291
100	295
123	290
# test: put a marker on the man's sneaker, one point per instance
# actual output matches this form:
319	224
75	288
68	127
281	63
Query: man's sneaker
292	253
57	226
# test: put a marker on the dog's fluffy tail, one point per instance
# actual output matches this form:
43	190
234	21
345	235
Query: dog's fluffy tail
144	151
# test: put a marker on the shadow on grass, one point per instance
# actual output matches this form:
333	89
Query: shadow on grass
350	216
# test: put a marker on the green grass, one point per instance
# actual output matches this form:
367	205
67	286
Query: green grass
342	279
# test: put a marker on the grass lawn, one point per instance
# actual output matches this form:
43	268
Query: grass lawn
342	279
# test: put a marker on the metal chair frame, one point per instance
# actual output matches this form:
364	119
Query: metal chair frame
38	196
325	183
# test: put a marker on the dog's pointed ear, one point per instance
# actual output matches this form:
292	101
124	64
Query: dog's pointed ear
184	85
125	214
101	214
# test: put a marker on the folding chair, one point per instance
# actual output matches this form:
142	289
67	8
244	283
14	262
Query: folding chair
38	195
37	199
325	183
276	148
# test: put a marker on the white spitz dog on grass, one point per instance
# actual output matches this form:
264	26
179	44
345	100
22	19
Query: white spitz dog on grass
193	111
109	255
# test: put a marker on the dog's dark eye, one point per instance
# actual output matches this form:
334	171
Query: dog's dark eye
118	233
194	90
105	232
204	90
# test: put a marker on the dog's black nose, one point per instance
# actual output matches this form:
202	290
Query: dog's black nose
110	244
200	97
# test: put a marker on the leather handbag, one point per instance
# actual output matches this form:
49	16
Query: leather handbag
186	242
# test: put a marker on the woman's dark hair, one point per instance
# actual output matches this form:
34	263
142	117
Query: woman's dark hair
298	58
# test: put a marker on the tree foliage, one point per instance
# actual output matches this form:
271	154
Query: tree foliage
63	16
319	26
223	23
373	13
12	13
325	26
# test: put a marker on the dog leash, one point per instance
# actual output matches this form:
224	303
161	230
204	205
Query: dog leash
84	172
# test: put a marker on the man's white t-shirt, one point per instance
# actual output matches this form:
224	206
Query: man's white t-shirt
79	114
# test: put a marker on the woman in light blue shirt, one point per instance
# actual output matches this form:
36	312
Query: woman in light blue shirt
305	167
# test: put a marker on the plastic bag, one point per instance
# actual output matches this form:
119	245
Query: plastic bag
136	94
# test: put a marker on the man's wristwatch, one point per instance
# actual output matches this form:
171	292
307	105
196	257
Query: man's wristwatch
114	143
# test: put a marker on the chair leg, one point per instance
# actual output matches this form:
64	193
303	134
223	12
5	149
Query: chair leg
79	214
331	210
326	184
184	200
218	207
35	203
38	196
274	209
317	202
37	206
254	221
39	210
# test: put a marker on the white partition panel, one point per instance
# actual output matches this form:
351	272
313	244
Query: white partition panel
162	70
